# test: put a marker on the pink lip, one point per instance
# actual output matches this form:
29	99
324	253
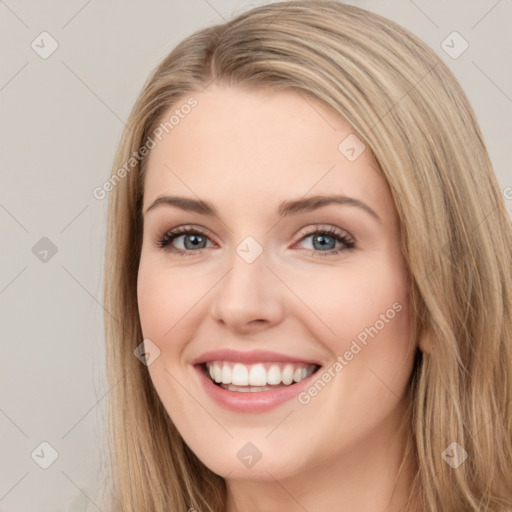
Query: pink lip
251	402
255	356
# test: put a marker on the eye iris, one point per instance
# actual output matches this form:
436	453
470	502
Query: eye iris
322	241
197	239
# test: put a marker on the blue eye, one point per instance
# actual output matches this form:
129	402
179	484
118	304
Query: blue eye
324	241
192	240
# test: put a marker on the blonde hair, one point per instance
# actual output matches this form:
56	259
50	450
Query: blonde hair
409	110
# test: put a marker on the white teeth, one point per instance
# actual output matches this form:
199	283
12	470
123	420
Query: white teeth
240	375
217	373
226	374
257	377
274	375
287	374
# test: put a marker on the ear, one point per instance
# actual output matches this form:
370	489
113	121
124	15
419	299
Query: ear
425	340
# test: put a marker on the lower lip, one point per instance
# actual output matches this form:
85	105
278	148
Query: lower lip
251	402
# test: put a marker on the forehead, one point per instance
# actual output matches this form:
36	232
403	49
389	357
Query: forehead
239	145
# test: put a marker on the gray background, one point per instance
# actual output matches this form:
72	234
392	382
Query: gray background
61	120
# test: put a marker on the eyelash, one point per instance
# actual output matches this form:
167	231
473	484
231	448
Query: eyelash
164	241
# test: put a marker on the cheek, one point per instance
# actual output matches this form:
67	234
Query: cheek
342	303
166	298
166	302
375	341
157	301
365	315
372	351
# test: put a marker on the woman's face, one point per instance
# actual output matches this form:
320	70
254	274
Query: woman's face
298	268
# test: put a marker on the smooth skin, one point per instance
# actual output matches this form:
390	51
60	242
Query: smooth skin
246	152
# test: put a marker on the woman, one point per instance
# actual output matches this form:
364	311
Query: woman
309	256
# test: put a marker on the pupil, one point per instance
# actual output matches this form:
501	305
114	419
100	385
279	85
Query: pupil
322	240
195	240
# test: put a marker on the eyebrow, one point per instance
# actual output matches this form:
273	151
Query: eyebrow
285	208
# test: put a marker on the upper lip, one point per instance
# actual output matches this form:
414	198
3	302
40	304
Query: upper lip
254	356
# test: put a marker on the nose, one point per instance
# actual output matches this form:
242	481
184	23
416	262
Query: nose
249	297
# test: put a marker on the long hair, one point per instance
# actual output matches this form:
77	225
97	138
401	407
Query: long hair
406	106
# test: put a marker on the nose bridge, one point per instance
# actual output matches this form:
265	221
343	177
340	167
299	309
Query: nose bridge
247	292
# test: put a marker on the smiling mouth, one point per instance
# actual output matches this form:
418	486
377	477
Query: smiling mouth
257	377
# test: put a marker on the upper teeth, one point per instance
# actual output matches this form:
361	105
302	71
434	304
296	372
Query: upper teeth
259	374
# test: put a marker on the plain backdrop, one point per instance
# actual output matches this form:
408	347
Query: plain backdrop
61	119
